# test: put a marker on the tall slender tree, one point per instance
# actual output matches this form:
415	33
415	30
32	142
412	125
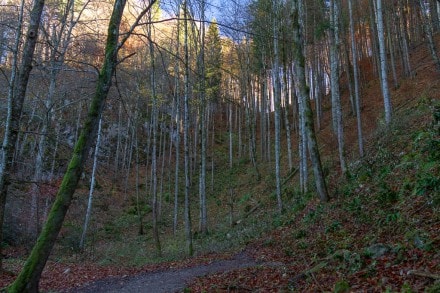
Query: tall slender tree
28	279
203	223
338	126
277	99
155	129
188	226
303	97
429	32
383	62
16	95
92	188
357	99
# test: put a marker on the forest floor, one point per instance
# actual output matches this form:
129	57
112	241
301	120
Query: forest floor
167	280
379	233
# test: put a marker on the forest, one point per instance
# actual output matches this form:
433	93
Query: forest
301	138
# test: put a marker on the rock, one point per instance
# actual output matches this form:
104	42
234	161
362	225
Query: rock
378	250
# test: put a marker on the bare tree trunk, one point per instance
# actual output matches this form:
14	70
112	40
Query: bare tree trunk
427	28
374	38
138	204
188	233
92	187
383	63
118	144
404	40
16	97
60	41
155	118
212	149
203	225
55	150
392	52
286	118
277	101
302	150
178	129
338	126
434	7
357	98
263	113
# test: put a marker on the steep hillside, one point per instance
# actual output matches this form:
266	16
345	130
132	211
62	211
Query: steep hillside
380	230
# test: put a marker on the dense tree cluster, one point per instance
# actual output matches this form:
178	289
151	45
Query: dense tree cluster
166	86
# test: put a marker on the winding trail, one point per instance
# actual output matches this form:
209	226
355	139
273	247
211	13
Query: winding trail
165	281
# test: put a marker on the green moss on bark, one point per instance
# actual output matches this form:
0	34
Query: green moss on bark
29	277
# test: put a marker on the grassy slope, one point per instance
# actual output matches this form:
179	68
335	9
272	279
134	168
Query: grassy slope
380	232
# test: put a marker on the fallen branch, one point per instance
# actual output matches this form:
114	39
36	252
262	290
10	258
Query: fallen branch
230	288
289	176
247	214
308	273
424	274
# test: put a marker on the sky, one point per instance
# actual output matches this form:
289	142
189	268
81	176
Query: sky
224	12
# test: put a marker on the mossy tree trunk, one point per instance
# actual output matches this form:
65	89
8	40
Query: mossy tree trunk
303	98
29	277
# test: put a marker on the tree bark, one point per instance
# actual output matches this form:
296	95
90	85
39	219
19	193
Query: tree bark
383	63
92	188
338	126
203	224
16	97
188	229
357	98
428	29
277	101
28	279
178	129
154	152
300	82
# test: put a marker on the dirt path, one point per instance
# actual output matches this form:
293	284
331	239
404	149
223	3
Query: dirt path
172	280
